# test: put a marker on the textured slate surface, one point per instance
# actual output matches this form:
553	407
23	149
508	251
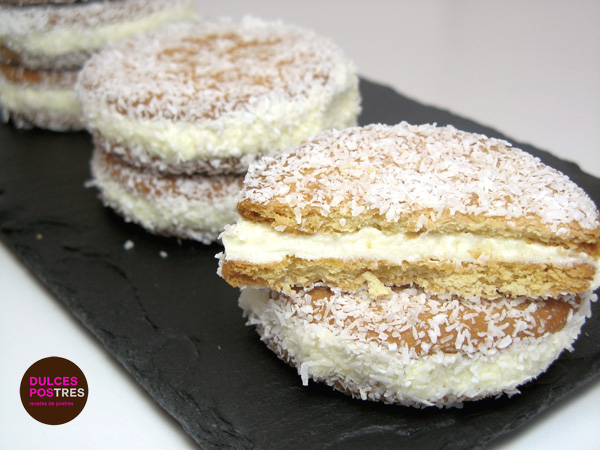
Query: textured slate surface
175	326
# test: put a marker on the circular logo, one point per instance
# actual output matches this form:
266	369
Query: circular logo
54	390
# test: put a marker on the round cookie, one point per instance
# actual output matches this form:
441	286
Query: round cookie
193	103
190	207
413	348
39	97
433	206
62	37
44	44
212	98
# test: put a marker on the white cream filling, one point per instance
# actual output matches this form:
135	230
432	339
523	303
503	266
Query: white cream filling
376	371
259	243
22	98
176	215
61	41
270	127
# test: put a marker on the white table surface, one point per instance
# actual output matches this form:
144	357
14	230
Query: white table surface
530	69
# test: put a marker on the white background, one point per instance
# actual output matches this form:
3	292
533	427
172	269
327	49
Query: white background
530	69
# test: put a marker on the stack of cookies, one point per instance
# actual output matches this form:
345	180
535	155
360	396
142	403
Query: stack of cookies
178	115
415	265
44	43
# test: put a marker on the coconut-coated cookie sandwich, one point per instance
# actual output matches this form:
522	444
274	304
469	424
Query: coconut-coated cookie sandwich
413	264
43	44
204	100
436	207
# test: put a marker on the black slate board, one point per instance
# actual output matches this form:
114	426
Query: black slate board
175	325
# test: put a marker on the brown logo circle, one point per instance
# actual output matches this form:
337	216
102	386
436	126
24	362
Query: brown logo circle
54	390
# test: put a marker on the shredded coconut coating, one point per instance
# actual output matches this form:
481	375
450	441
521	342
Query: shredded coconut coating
422	177
175	166
189	72
42	118
45	99
188	95
40	78
414	348
425	323
191	207
53	35
84	15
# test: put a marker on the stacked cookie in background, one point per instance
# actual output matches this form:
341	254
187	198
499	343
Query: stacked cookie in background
416	265
44	44
178	115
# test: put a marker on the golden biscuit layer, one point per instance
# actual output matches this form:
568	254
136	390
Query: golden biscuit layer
491	280
27	77
408	181
419	178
